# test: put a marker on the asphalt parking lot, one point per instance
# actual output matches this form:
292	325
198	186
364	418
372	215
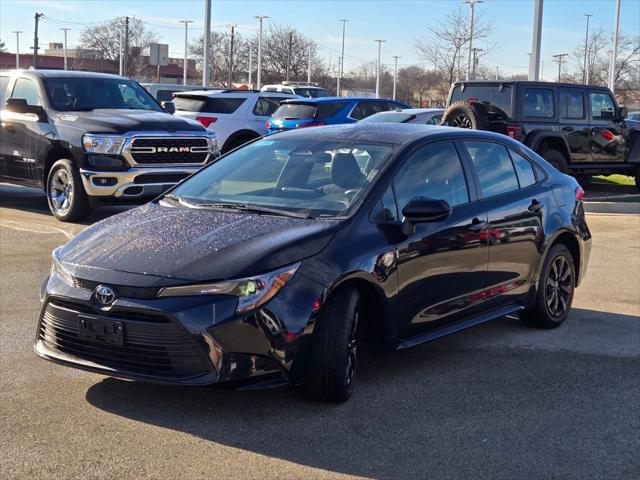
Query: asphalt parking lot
498	401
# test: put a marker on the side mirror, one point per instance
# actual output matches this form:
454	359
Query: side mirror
20	105
169	107
423	210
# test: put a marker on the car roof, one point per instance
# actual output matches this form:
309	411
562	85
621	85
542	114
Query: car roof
280	85
63	74
233	93
390	133
527	83
412	111
339	99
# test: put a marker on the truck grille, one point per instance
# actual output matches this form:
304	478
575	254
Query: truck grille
153	345
162	151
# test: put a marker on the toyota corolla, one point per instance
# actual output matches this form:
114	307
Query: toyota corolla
279	261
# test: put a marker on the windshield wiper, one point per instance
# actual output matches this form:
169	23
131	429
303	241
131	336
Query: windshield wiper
255	209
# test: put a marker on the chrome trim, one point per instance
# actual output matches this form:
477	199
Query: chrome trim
126	152
125	179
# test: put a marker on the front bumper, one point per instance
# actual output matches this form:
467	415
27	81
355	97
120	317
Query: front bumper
181	340
133	183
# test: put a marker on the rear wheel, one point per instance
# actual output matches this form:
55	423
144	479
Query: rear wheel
465	114
335	347
65	193
555	290
555	158
236	142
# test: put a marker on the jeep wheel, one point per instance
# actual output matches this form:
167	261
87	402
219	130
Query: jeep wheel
465	114
555	158
65	193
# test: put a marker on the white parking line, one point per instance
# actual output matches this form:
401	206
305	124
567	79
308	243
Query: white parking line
34	228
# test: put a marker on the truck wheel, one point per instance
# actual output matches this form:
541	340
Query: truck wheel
555	158
65	193
334	361
555	290
465	114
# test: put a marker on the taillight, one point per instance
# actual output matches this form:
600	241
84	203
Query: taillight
514	131
267	124
206	121
312	124
607	135
579	193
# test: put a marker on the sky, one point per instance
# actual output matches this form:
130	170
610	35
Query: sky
399	22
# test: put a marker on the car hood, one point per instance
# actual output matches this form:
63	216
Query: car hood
160	245
123	121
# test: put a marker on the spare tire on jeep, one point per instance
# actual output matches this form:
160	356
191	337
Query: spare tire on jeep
464	114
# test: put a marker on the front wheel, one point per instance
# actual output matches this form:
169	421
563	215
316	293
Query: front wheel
335	347
556	158
555	290
65	193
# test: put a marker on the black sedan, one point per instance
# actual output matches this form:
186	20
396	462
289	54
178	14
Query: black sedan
279	261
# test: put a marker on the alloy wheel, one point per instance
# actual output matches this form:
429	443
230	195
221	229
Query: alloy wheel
61	191
462	121
559	286
352	351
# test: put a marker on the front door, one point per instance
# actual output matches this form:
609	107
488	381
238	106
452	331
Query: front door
442	266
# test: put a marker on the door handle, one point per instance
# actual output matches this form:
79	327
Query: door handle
536	206
478	225
567	129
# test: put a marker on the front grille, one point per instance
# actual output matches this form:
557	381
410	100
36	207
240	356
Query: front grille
121	290
169	150
153	348
159	178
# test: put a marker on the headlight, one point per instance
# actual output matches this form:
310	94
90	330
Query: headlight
106	144
58	267
214	147
251	292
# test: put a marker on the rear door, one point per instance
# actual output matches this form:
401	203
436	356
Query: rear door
442	266
516	202
574	122
607	142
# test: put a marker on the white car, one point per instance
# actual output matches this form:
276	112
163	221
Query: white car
235	116
425	116
306	90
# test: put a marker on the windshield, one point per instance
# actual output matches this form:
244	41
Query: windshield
85	93
318	177
389	117
311	92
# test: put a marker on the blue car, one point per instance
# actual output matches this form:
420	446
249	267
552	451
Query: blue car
313	112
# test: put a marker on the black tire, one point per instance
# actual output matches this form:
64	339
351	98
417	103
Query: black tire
637	178
465	114
584	180
235	143
64	181
334	357
556	158
546	313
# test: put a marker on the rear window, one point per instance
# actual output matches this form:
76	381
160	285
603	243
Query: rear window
197	103
311	92
497	100
538	103
295	111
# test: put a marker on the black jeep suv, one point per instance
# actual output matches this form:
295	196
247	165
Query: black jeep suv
580	129
85	137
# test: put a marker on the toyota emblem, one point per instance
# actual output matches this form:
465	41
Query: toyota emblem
104	295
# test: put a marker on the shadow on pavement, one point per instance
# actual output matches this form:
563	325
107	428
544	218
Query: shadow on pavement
465	404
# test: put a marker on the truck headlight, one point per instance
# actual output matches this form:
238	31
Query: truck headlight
58	268
251	292
105	144
214	147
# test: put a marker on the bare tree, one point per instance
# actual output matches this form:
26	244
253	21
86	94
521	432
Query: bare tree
445	45
105	37
2	46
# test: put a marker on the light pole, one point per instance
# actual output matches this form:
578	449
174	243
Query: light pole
309	66
289	54
614	53
475	61
534	61
65	46
586	46
472	4
186	47
380	42
250	65
395	74
559	58
341	66
259	80
17	32
207	43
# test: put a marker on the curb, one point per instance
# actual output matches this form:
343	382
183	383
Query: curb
635	197
612	207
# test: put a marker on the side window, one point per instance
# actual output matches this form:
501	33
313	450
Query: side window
435	120
538	103
27	89
571	104
357	112
386	210
265	107
602	107
493	166
164	95
433	171
524	169
329	109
